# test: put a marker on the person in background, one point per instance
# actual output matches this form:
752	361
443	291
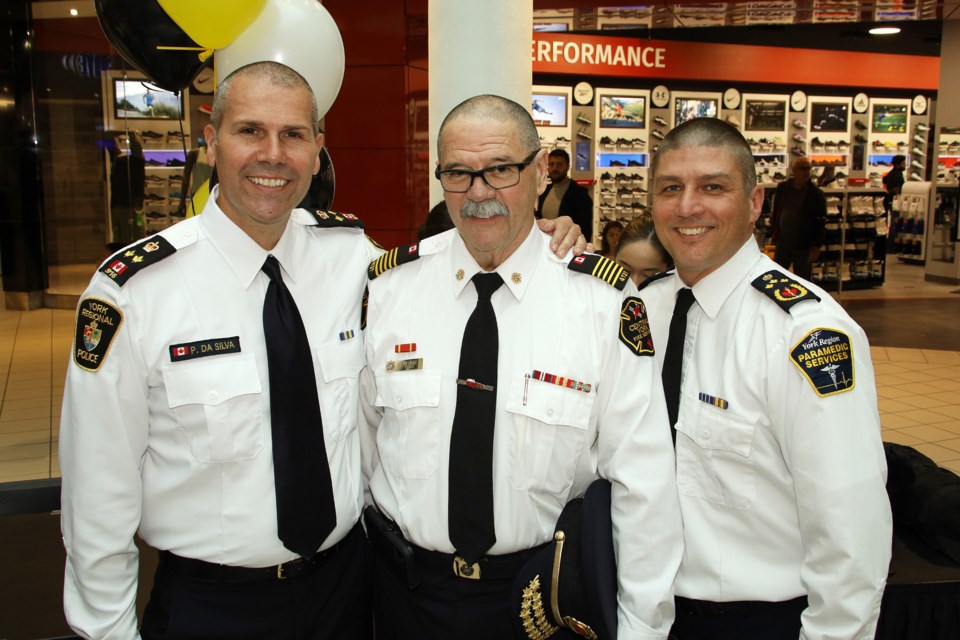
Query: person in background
640	251
799	216
438	221
773	403
893	182
610	239
481	421
563	196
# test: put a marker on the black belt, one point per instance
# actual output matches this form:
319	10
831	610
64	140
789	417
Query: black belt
741	607
501	567
210	572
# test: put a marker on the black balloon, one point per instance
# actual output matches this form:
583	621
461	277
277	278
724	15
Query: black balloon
320	195
136	28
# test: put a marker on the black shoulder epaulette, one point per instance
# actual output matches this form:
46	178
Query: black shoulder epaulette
783	289
334	219
654	278
127	262
600	267
392	258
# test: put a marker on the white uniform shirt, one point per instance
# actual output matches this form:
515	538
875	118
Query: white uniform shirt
181	450
550	441
782	492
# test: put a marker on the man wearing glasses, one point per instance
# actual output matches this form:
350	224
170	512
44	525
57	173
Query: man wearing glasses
478	428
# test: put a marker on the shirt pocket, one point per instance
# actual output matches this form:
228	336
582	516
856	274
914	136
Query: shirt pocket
408	438
547	430
715	463
217	404
340	365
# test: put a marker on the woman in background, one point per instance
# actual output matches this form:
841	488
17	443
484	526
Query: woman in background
640	252
609	239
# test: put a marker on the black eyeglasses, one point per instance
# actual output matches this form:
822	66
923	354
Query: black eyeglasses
499	176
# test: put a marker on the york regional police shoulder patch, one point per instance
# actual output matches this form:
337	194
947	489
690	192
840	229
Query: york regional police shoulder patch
783	290
97	324
635	328
825	358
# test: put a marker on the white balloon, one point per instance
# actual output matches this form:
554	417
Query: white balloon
297	33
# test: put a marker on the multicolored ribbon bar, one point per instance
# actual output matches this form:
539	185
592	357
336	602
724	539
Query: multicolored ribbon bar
346	335
406	347
569	383
717	402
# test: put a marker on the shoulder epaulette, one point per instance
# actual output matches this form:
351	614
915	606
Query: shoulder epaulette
392	258
654	278
333	219
122	265
783	289
600	267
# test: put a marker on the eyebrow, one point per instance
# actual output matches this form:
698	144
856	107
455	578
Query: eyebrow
701	178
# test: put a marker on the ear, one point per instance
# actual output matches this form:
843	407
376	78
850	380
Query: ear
756	203
541	164
316	165
210	135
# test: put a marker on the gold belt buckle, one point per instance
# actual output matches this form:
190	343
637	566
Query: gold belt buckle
280	575
463	570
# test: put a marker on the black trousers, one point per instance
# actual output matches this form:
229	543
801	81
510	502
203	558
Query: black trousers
441	607
330	603
698	620
799	257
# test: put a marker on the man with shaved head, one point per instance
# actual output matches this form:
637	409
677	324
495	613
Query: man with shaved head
771	396
482	421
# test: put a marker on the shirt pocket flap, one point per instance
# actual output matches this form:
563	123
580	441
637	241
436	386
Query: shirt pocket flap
550	403
211	383
714	428
402	390
340	359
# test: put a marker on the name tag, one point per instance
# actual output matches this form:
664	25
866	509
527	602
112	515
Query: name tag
204	348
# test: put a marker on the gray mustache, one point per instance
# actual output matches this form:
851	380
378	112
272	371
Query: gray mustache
483	209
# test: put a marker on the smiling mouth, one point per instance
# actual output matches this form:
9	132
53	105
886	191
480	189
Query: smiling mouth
269	182
691	231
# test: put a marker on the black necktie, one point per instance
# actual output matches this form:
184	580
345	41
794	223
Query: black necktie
471	443
306	513
673	360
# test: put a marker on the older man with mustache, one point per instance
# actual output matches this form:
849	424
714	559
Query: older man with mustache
500	382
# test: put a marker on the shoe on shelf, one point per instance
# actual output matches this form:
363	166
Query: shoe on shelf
660	121
154	215
151	135
153	163
840	175
583	134
152	197
175	162
634	163
798	151
860	124
922	127
798	138
616	163
656	133
915	176
205	108
177	135
862	139
779	176
917	165
606	176
843	144
920	139
917	151
582	118
606	140
799	124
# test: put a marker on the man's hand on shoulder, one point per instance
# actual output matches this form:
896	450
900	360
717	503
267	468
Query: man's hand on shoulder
566	235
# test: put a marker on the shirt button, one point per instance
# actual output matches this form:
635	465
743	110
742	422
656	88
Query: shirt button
550	412
705	435
213	395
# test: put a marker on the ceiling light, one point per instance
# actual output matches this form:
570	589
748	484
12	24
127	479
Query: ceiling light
884	31
74	12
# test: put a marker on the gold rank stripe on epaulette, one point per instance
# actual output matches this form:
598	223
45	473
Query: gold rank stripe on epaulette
392	258
335	219
125	263
600	267
783	290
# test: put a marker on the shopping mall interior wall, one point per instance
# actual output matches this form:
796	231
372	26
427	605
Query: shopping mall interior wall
948	105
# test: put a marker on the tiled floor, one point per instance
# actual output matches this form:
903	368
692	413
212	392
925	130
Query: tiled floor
918	388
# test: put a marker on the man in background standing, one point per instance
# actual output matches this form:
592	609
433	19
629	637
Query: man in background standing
799	212
563	196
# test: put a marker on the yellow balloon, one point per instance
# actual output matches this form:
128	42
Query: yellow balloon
199	199
213	24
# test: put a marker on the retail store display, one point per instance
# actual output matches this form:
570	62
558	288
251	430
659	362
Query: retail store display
910	228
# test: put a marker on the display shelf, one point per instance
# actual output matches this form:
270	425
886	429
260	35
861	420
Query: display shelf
853	228
948	159
909	228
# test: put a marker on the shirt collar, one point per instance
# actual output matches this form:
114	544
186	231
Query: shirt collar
244	256
517	270
714	289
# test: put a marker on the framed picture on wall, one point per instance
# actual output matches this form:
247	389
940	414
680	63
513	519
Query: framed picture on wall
888	118
765	115
136	99
625	112
831	117
549	109
690	107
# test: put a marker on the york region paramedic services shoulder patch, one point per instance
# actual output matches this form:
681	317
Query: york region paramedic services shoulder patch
635	328
825	358
97	324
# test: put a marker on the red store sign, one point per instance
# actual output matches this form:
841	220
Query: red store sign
668	59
